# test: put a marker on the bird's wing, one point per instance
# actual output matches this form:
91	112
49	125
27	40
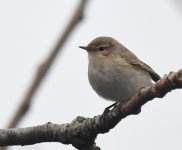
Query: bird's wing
147	68
135	62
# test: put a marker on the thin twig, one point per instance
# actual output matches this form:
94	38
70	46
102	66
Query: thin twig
44	67
82	132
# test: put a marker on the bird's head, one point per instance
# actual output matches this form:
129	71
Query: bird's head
101	46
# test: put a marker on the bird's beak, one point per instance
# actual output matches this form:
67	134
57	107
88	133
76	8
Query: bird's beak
85	48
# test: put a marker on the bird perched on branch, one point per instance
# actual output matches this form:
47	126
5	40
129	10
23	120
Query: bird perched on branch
114	72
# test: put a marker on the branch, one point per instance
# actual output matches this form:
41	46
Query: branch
81	132
44	67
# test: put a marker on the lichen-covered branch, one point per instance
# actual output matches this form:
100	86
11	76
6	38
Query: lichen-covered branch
81	132
65	133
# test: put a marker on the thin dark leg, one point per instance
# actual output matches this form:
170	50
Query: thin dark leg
107	108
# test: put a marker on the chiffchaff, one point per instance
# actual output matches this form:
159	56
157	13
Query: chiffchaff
114	72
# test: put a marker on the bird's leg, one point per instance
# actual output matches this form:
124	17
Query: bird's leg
115	104
107	108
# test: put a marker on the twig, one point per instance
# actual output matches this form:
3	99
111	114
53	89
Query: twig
81	132
44	67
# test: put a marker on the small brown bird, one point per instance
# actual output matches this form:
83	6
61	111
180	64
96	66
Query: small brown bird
114	72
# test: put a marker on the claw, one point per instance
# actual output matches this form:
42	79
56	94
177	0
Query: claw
108	108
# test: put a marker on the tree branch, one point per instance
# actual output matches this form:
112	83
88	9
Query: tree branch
44	67
81	132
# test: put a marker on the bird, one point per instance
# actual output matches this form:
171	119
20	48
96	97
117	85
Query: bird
114	72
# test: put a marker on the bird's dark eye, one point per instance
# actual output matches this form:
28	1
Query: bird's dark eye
101	48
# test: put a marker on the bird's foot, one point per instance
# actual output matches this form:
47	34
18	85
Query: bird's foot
137	111
108	108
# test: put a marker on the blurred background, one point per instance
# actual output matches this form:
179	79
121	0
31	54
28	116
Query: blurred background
28	31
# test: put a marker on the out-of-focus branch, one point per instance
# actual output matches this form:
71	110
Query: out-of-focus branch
81	132
44	67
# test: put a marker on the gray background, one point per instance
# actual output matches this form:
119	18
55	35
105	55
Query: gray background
29	29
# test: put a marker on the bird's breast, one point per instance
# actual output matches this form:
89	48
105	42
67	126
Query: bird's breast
117	80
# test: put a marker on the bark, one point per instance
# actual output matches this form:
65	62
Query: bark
82	132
